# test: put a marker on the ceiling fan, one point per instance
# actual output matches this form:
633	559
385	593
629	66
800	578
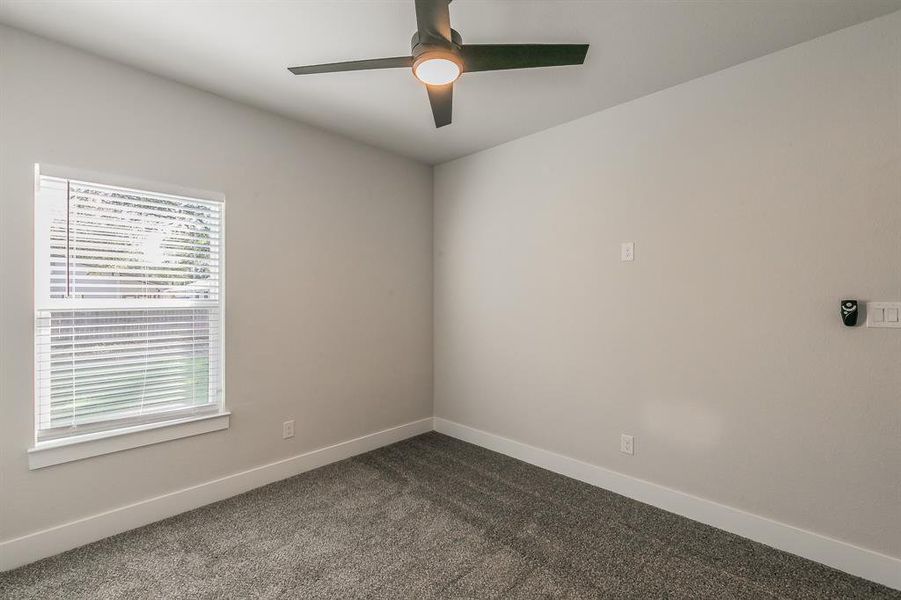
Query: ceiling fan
439	57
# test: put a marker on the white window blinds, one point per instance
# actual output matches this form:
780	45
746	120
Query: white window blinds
128	316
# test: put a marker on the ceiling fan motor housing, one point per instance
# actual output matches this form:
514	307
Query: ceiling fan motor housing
420	45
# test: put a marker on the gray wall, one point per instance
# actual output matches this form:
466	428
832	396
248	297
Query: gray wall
758	197
329	273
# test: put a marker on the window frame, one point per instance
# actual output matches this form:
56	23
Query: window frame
83	445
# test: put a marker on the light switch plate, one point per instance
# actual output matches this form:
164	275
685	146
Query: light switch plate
884	315
627	252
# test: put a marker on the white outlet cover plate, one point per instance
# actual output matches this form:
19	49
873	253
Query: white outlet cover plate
627	252
627	444
884	315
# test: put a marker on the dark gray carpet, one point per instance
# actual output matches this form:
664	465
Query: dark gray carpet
431	517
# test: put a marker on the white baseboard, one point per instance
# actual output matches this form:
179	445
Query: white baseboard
29	548
839	555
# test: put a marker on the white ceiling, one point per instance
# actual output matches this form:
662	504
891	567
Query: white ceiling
241	49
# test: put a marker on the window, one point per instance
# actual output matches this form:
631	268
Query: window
128	308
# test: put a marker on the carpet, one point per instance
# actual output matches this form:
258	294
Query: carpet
430	517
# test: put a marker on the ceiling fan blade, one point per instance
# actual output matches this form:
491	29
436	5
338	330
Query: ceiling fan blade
441	97
433	20
496	57
355	65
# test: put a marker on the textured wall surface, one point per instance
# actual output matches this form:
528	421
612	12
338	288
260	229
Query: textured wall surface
329	273
758	197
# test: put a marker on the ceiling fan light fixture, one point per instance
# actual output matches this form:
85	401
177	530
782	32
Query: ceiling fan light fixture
438	57
437	68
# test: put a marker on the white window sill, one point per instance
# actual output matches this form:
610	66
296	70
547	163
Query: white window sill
54	452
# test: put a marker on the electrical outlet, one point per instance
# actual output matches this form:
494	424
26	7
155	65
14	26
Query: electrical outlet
627	252
627	444
288	429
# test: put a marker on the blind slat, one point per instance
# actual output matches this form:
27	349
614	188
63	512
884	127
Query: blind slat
99	370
